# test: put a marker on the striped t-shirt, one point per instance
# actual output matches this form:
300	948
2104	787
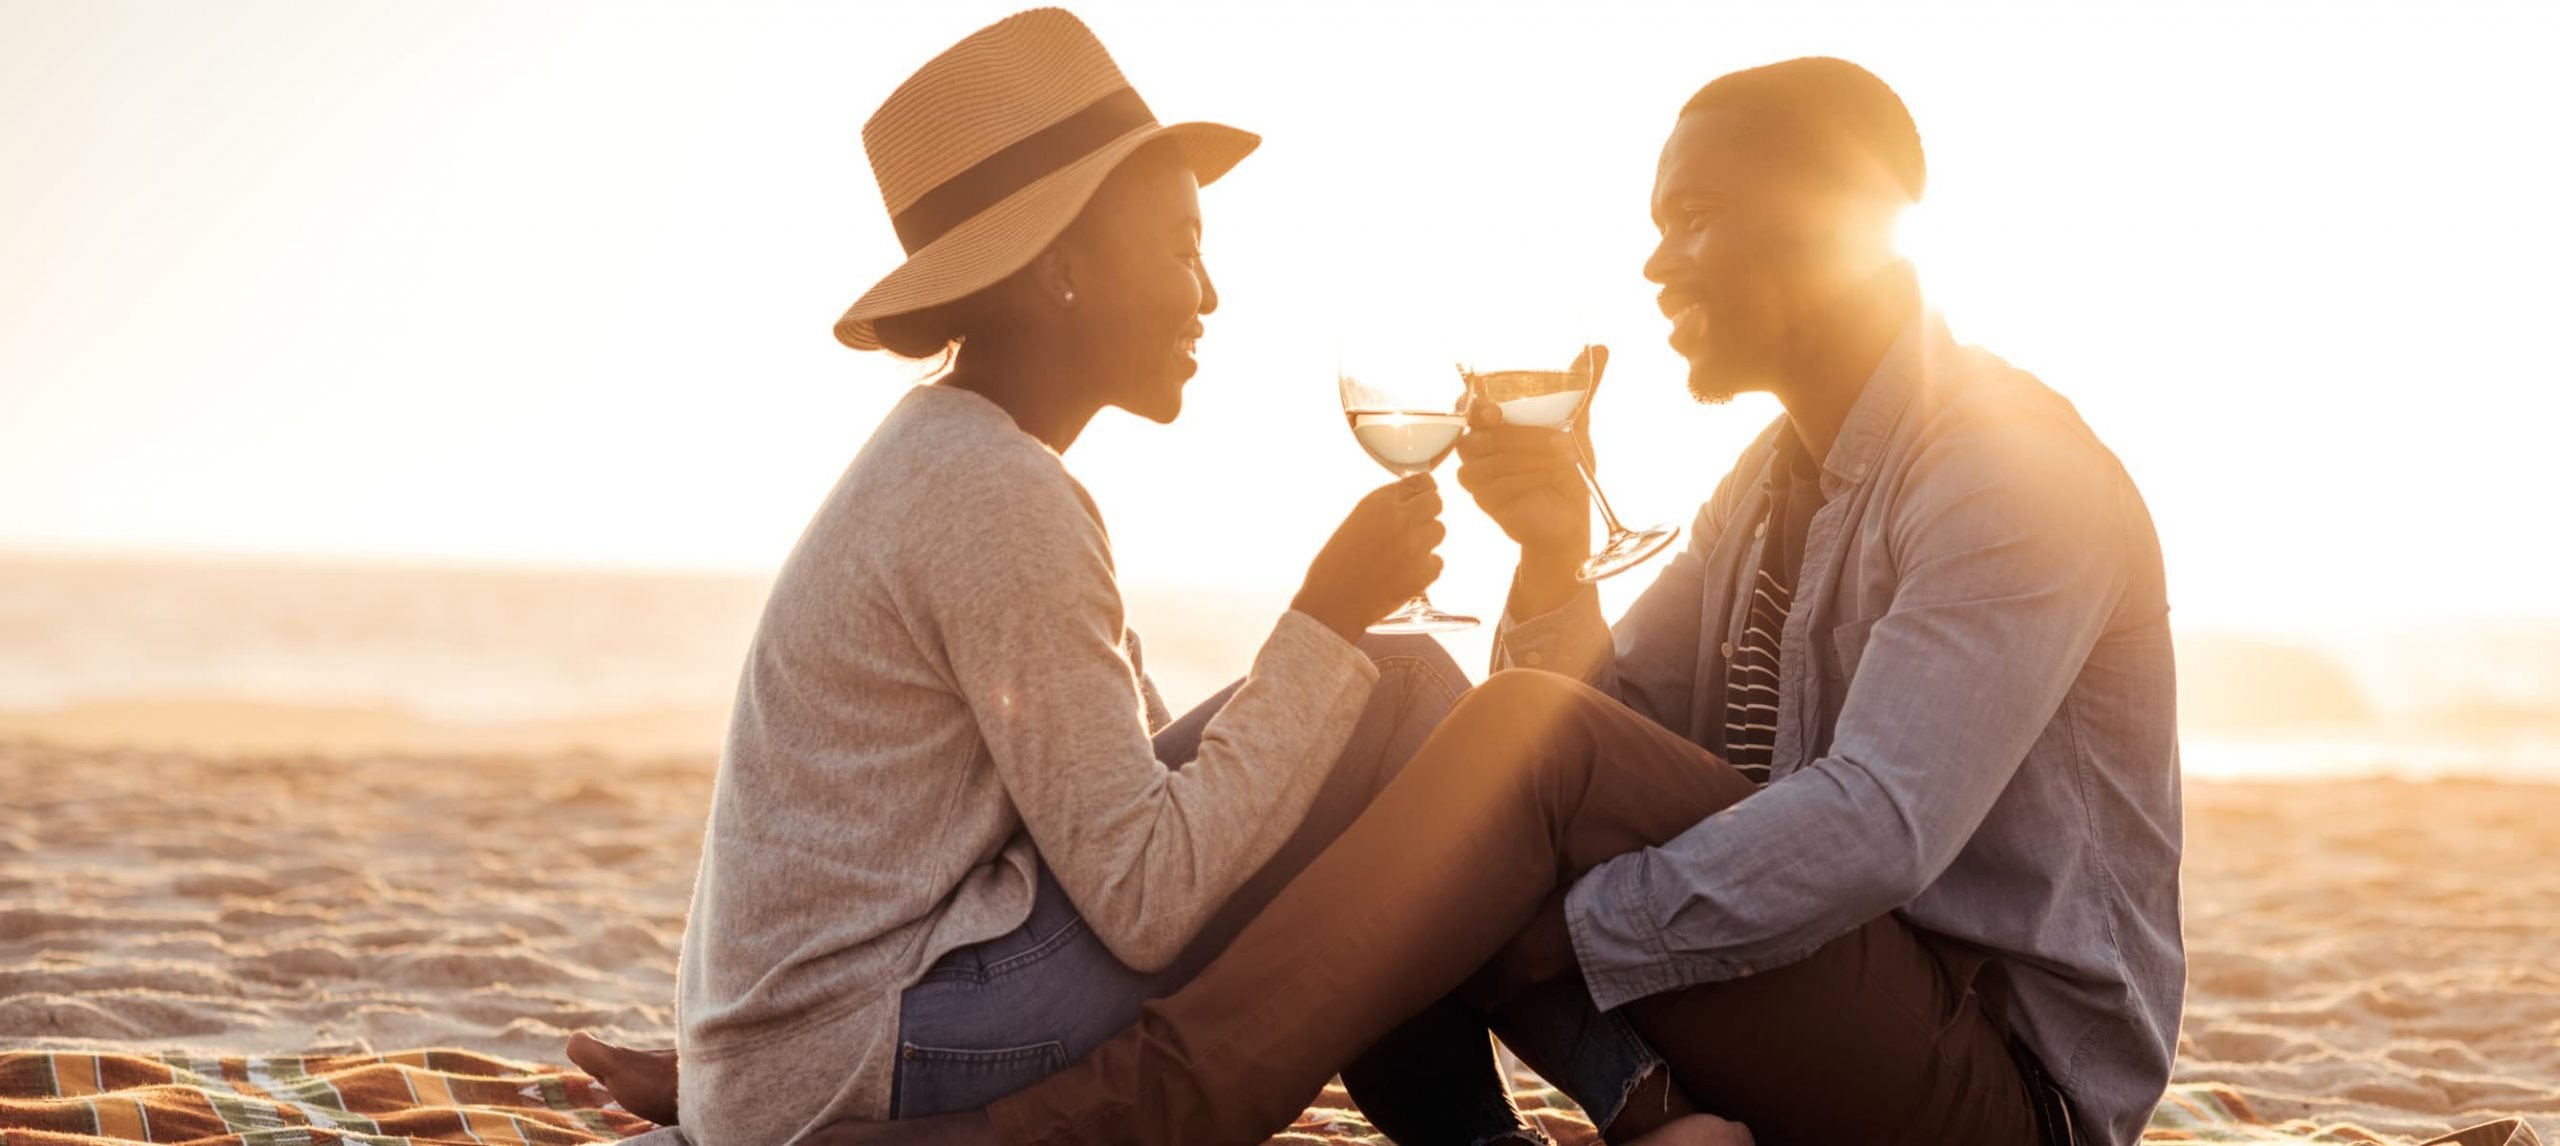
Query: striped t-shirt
1751	671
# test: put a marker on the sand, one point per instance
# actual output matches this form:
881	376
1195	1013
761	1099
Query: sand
2374	952
297	902
2369	952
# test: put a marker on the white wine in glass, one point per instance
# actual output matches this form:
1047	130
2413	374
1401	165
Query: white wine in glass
1406	441
1557	399
1406	428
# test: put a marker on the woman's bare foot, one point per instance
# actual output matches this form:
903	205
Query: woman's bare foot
643	1081
1697	1130
966	1129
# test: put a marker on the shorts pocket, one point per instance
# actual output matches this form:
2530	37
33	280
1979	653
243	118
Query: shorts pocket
940	1080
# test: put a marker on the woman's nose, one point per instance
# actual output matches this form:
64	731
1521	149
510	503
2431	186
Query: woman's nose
1208	291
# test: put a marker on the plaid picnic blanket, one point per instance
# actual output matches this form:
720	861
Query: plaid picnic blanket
440	1097
62	1098
1333	1121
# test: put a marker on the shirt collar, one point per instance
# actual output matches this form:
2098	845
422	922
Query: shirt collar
1789	458
1914	357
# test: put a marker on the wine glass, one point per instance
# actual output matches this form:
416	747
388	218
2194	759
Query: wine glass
1558	399
1405	414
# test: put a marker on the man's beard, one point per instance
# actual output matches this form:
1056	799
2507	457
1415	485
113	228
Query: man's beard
1735	365
1712	384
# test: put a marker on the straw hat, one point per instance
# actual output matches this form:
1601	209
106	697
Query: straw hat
993	147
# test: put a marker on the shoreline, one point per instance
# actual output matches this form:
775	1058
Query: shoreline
227	726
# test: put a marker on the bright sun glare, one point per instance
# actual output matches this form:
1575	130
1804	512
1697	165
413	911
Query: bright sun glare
524	299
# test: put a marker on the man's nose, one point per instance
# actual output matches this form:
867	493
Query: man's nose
1659	265
1208	291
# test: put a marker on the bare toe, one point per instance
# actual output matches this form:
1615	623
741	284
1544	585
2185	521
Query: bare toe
642	1081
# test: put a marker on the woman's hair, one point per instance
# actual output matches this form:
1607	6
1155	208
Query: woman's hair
921	334
937	332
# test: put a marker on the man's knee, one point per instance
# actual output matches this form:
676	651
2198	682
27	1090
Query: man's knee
1532	716
1531	690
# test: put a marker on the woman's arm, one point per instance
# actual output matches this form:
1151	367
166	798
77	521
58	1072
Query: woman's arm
1018	593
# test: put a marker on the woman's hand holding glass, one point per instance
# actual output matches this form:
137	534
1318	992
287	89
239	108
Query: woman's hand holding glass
1380	558
1402	400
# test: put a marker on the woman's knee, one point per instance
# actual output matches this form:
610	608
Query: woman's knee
1419	655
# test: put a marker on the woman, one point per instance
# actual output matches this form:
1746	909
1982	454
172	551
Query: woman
945	856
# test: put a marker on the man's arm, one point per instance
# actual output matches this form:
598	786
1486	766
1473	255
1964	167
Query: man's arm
1524	479
2013	551
1649	661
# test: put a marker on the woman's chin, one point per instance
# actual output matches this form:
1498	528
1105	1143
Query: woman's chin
1162	403
1160	408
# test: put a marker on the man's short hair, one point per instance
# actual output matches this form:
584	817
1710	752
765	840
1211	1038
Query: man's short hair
1839	116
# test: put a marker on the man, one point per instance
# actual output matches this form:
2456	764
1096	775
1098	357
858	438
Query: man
1925	608
1866	820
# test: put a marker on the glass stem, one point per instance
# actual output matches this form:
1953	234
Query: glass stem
1582	465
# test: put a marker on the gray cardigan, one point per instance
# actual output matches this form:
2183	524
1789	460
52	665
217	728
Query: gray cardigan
940	695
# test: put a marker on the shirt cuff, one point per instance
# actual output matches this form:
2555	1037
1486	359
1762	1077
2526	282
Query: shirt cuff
1572	638
1620	944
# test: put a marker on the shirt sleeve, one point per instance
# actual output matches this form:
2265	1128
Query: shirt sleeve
1650	661
1027	611
2013	551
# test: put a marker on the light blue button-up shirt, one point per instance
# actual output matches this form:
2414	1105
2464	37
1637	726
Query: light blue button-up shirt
1977	724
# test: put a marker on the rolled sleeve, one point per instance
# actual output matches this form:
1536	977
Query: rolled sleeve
1615	940
1627	952
1571	639
1649	662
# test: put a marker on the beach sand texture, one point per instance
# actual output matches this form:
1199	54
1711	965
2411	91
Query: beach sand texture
2367	952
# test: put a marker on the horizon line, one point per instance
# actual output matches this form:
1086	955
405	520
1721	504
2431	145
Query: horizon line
12	550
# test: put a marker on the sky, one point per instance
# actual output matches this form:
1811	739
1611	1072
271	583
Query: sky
539	283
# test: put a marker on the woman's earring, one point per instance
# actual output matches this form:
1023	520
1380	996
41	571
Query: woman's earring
1071	298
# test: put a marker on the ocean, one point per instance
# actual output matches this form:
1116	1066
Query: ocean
277	654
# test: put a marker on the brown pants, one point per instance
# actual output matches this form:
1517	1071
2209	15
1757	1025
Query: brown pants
1534	779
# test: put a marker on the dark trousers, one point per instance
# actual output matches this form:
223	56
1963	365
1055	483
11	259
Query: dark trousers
1880	1036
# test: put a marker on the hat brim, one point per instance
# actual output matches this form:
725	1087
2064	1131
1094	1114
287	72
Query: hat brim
1004	238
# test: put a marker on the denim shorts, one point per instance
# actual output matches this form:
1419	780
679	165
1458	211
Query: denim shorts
994	1017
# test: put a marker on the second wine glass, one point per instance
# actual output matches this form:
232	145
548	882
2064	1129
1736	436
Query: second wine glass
1558	399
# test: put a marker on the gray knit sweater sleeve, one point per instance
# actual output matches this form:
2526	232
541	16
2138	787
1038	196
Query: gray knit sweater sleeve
1017	596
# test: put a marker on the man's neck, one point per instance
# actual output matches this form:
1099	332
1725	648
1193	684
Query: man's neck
1840	350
